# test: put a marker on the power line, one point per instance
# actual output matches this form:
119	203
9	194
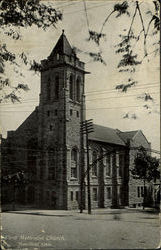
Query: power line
88	93
119	107
85	9
114	89
111	97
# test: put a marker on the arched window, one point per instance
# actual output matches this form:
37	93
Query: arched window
74	162
57	56
94	167
57	87
48	89
108	165
71	87
78	89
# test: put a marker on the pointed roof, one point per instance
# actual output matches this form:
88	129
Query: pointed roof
105	134
62	46
125	136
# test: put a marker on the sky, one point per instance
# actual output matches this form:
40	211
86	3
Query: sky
105	105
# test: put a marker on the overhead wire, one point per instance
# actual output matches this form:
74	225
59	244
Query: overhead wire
89	93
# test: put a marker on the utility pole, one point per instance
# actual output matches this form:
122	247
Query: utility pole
86	128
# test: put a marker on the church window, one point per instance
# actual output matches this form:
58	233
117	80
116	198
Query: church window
138	189
71	195
121	164
142	191
57	56
95	194
78	89
51	127
48	89
108	166
71	112
108	192
94	167
71	87
48	113
77	195
74	162
57	87
56	112
77	113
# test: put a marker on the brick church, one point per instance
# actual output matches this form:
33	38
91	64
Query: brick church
49	148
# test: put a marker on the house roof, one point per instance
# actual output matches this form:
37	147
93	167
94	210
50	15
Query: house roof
125	136
62	46
105	134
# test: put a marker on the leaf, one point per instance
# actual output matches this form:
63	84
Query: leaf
126	116
146	97
13	97
93	35
22	86
121	8
133	116
35	66
97	57
124	87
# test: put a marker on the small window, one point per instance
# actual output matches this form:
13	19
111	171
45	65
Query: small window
145	191
142	191
121	164
48	113
138	189
74	161
56	112
77	195
108	165
77	113
78	89
57	56
48	89
57	87
71	87
51	127
71	195
95	194
94	166
108	192
71	112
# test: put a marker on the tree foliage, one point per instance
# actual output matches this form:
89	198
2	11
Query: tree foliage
14	15
146	167
133	46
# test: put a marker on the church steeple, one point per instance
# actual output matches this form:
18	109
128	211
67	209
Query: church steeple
62	46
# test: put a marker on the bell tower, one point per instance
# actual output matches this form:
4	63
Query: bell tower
61	110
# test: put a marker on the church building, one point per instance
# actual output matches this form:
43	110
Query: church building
49	147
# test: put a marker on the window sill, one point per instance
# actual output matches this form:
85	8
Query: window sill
74	101
94	176
73	179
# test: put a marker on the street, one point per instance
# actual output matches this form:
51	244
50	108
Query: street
104	228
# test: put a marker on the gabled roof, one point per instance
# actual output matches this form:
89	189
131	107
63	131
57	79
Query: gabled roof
125	136
62	46
105	134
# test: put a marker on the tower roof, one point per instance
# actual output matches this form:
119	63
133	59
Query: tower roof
62	46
